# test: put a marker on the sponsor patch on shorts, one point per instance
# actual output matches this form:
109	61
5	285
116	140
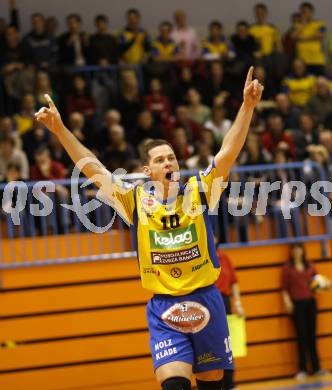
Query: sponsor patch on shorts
174	257
187	317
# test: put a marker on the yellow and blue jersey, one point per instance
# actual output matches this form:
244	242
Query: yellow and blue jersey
164	51
299	89
134	45
311	51
267	37
174	239
219	49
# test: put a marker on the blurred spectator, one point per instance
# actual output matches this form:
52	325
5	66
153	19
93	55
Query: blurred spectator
73	44
9	154
276	136
300	304
269	92
77	125
103	45
129	102
202	159
197	111
45	168
320	104
185	81
52	25
245	46
59	154
7	129
25	118
157	103
183	149
80	98
146	128
299	85
119	153
34	139
320	155
111	117
306	135
182	119
218	123
185	36
39	47
133	40
164	48
266	35
325	139
254	153
309	35
215	47
43	86
207	137
17	79
288	40
287	111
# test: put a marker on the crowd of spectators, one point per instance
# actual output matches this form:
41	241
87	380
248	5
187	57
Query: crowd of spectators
171	86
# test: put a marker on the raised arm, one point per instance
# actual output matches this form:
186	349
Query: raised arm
50	117
237	134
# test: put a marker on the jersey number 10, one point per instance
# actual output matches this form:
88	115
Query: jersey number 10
170	222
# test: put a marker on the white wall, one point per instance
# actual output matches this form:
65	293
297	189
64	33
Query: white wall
200	12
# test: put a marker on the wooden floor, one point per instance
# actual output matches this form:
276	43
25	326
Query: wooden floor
324	383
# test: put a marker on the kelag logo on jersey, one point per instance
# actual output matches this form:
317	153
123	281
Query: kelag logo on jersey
173	239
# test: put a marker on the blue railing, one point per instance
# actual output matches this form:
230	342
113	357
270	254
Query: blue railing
31	236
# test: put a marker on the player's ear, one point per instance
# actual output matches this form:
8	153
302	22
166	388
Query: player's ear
146	170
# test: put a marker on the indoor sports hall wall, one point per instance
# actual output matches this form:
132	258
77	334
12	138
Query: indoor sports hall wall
229	12
83	325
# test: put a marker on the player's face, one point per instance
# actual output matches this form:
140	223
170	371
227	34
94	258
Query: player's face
163	166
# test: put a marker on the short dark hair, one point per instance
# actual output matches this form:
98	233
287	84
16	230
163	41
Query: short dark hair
42	149
261	5
101	18
304	258
215	23
134	11
77	17
242	23
307	5
145	156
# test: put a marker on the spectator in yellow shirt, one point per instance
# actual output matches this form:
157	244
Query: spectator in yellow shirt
164	48
265	33
309	35
299	85
133	40
215	46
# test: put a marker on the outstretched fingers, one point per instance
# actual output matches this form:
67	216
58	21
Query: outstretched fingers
249	77
50	102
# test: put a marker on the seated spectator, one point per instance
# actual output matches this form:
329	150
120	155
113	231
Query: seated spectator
275	136
80	99
215	47
182	120
129	102
185	37
157	103
245	46
185	81
266	34
17	79
197	111
25	118
299	85
77	125
43	86
52	25
164	48
39	47
134	42
254	153
208	138
182	148
73	45
7	129
146	128
45	168
320	104
202	159
9	154
103	45
325	139
218	123
305	136
288	112
33	139
111	117
309	35
118	153
59	154
300	303
319	155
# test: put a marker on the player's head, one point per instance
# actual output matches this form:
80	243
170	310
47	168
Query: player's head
159	161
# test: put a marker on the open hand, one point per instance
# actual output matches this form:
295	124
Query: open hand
49	116
253	90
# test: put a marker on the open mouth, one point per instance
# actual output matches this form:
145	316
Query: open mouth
173	176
